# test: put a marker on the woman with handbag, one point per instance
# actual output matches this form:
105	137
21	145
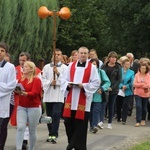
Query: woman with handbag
98	103
125	92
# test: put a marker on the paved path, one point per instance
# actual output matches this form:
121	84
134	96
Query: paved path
119	138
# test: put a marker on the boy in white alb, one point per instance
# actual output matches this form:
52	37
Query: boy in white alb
7	85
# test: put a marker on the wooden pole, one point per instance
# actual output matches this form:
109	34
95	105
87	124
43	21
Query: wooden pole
54	40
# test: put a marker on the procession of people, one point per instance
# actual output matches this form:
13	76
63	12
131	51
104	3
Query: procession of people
80	89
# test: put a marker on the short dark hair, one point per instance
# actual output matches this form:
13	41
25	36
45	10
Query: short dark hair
93	50
4	45
25	54
112	54
96	60
144	64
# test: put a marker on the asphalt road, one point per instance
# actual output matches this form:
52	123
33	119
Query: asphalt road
120	137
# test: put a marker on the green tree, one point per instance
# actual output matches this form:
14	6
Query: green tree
23	30
119	25
84	28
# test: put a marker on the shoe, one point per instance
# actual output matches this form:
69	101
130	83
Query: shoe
137	125
100	125
109	126
142	123
95	130
54	140
68	147
90	129
119	121
123	123
49	139
25	145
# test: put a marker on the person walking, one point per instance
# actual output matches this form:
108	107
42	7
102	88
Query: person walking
98	103
141	93
29	108
23	57
78	84
126	92
7	85
113	71
52	97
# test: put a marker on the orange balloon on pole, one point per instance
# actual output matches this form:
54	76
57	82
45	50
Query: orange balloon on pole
64	13
43	12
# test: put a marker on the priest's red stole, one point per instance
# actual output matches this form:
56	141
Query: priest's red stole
80	112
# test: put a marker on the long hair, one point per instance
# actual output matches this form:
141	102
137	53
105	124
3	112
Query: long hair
32	73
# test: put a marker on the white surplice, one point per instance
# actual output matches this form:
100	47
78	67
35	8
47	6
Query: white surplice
89	88
51	94
7	85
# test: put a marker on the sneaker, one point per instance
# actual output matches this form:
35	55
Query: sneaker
25	145
142	123
109	126
118	120
123	123
100	125
137	125
54	140
90	129
49	139
95	130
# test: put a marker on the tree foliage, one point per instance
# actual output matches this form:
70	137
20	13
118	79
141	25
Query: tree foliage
23	30
105	25
119	25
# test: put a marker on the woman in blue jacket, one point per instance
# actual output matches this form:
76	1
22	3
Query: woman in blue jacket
98	105
125	91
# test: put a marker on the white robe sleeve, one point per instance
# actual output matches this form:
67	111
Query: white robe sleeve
94	83
46	78
64	80
8	81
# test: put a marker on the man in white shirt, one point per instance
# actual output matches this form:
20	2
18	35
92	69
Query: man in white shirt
7	85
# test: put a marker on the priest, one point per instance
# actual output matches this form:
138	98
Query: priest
80	80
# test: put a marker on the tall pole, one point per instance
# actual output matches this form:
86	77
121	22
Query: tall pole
64	13
54	40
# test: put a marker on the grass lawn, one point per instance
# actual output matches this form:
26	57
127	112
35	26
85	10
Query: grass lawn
142	146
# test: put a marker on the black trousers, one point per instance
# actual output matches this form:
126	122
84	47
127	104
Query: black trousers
76	131
122	107
54	110
148	111
3	129
130	106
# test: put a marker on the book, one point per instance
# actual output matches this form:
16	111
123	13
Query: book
19	87
72	83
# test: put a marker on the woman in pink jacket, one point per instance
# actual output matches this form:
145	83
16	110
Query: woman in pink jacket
141	92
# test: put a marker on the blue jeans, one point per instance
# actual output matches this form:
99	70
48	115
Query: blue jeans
54	110
111	105
141	108
95	113
102	111
24	116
